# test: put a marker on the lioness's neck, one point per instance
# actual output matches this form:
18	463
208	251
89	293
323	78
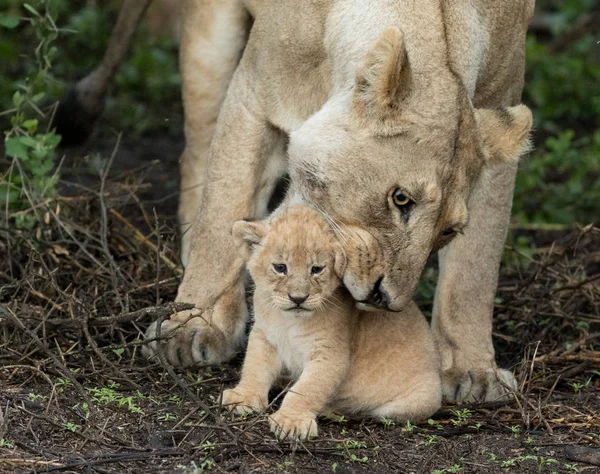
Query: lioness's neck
422	26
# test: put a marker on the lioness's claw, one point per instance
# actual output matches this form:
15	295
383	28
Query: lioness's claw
479	385
189	341
293	426
240	402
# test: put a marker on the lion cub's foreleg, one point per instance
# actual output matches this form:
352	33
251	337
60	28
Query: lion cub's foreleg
261	368
322	375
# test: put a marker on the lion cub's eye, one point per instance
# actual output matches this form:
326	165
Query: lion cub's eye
315	270
400	199
280	268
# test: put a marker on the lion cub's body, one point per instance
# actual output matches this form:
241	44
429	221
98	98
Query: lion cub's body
341	359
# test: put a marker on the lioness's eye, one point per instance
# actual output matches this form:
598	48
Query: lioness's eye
315	270
400	199
280	268
447	232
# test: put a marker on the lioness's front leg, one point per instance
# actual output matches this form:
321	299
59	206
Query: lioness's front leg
323	374
464	300
261	368
242	140
205	82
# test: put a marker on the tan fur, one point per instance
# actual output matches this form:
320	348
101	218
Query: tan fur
342	360
371	97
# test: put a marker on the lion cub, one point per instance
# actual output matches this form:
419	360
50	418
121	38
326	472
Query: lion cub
341	359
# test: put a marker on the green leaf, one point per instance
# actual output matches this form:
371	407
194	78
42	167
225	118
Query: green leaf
28	141
17	98
31	125
8	194
9	21
31	9
15	148
37	97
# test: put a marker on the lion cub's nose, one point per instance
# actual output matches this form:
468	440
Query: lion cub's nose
298	299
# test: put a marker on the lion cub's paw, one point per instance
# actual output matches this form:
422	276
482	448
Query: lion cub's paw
239	401
287	425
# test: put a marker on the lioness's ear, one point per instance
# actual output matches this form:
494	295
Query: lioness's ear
339	264
505	132
249	234
383	78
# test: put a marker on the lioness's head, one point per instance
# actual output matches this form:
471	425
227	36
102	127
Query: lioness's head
392	161
294	257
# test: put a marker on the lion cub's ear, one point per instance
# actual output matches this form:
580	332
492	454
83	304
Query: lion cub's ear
505	132
249	234
383	78
339	260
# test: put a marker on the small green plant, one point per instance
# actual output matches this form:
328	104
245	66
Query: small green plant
408	427
355	458
387	422
205	465
452	469
5	444
542	461
72	427
108	395
34	397
166	417
119	351
83	409
354	444
516	431
334	467
462	416
208	445
349	446
62	384
578	387
430	441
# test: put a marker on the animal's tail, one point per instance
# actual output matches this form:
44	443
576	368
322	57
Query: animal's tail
84	102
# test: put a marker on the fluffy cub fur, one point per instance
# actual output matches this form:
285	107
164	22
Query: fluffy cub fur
342	360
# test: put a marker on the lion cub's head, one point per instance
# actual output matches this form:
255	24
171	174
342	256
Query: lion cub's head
294	258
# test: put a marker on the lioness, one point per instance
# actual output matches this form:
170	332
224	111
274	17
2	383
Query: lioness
341	359
400	118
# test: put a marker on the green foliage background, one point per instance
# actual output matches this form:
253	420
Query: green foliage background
559	182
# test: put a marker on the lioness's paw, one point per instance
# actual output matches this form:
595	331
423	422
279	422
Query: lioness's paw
478	385
188	341
291	426
239	401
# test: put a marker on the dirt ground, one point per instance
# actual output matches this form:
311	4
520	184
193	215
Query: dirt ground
77	292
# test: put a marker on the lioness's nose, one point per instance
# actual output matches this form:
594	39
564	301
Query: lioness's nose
298	299
378	296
